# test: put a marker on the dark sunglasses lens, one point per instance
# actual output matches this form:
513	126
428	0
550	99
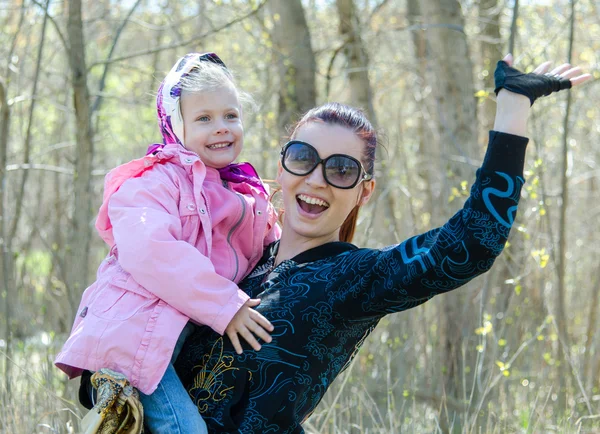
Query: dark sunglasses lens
342	171
300	159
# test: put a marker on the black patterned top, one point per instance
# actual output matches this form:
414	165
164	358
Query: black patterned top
325	301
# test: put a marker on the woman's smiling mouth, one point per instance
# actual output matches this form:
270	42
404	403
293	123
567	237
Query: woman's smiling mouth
311	205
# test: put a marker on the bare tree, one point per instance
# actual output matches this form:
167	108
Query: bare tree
6	256
561	316
79	235
491	51
27	145
357	57
361	94
455	108
295	61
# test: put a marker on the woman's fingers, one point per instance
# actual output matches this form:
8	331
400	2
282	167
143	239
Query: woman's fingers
564	71
543	68
508	59
570	73
560	69
581	79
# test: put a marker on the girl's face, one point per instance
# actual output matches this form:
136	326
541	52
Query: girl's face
314	209
212	125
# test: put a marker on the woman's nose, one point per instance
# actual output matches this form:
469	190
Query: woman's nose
316	178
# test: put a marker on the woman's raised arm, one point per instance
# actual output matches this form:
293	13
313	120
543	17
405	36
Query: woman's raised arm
403	276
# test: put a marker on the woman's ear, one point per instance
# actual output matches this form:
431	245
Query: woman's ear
366	192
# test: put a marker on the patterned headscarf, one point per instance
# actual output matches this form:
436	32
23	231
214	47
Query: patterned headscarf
171	121
169	93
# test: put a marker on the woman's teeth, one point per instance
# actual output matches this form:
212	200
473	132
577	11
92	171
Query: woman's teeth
219	145
313	200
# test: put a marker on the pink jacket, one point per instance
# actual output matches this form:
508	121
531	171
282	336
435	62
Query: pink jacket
180	237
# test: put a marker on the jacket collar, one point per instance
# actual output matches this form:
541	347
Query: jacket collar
323	251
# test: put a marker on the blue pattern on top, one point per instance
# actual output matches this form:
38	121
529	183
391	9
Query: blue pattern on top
324	309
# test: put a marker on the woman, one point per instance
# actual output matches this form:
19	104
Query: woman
324	295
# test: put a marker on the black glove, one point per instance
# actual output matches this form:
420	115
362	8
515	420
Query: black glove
531	85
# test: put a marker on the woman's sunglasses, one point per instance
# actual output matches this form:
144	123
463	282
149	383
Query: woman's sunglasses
339	170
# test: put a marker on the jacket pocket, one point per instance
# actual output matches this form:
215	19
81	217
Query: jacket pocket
189	216
121	298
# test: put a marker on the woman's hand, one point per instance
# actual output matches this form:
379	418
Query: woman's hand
247	322
513	109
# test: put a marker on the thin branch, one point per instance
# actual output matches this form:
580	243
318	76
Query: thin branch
377	8
50	168
27	145
56	27
330	67
513	28
13	46
46	167
182	43
98	101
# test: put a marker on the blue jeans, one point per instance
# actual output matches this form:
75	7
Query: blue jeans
170	410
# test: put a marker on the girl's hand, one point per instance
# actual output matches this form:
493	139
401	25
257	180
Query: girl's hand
247	322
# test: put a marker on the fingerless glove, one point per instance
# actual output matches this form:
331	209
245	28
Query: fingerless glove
531	85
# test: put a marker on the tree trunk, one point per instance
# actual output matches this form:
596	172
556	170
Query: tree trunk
27	145
455	108
6	257
361	96
79	234
424	166
295	61
6	271
561	317
356	57
592	318
491	52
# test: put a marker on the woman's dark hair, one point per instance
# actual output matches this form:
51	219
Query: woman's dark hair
334	113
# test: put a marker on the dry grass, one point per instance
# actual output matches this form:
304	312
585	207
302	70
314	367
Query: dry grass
370	397
38	398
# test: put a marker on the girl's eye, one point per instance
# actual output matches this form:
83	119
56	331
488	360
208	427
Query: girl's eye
203	118
231	116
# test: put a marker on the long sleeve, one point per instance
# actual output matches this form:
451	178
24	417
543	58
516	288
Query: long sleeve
400	277
148	233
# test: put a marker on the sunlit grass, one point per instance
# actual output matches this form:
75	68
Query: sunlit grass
38	398
372	396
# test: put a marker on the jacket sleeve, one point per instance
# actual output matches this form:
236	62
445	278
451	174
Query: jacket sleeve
147	229
400	277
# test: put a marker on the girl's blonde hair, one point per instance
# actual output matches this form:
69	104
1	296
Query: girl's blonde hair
208	77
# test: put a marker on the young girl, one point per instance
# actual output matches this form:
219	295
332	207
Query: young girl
183	225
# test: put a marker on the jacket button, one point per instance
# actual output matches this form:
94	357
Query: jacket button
202	211
259	212
83	312
191	206
189	160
